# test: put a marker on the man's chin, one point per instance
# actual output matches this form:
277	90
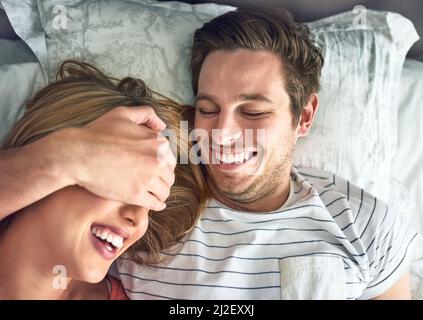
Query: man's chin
232	186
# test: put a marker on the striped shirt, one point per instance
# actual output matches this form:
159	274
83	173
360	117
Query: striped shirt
330	240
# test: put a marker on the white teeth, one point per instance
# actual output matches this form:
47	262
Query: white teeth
234	158
227	158
108	236
117	241
223	158
248	155
217	156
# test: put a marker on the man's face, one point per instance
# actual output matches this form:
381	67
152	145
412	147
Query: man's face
239	90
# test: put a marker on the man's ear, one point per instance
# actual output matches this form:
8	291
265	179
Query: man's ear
307	116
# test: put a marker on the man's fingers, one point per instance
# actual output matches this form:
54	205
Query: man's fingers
172	160
160	189
168	176
165	154
145	115
150	202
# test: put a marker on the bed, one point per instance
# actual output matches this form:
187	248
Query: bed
367	77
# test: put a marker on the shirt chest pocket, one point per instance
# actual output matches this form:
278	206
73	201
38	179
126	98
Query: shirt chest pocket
312	278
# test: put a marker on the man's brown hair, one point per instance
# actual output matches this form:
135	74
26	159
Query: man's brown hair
273	30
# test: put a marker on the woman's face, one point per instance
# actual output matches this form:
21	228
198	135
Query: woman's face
85	233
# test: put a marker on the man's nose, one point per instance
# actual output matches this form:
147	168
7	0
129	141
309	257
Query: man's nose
227	131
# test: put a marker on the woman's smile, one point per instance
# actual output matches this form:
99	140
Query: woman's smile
108	240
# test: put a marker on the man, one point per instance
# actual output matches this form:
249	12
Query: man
286	233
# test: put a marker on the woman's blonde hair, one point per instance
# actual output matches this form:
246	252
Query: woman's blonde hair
82	94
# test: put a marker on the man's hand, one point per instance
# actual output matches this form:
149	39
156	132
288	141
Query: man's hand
115	157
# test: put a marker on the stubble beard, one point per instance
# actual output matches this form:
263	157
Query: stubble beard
256	187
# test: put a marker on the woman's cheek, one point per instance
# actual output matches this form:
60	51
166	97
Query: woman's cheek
140	232
137	236
142	229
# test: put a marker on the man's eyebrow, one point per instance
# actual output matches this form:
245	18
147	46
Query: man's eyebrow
242	97
203	96
254	97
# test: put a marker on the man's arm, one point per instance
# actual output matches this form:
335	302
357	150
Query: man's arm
115	157
28	174
399	291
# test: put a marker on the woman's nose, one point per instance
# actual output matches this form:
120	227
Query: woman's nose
133	215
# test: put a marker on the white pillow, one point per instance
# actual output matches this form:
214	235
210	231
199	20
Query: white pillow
18	82
24	18
407	165
140	38
355	132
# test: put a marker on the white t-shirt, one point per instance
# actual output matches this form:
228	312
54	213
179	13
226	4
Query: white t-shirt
330	240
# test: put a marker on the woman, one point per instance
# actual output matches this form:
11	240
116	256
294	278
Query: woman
62	246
